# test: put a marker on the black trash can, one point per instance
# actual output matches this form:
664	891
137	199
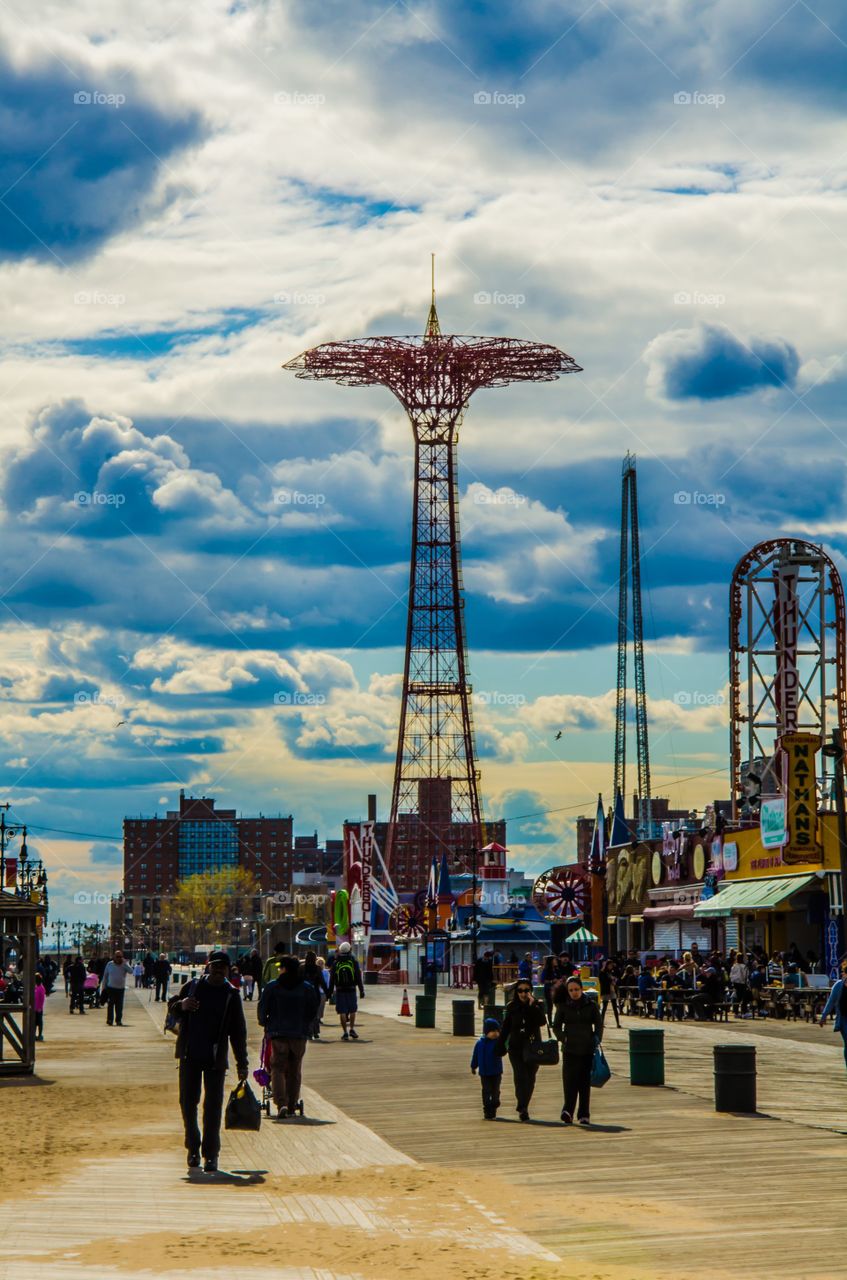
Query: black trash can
424	1011
735	1077
497	1011
464	1012
647	1056
370	976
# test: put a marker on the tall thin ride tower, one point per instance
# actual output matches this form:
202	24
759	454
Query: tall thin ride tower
630	583
435	796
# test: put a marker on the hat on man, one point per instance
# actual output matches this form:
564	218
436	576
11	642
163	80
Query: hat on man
218	957
344	948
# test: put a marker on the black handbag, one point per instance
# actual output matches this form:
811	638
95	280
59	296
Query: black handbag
544	1053
243	1110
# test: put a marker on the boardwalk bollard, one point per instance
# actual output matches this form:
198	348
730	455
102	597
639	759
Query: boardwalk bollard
463	1017
735	1077
647	1056
424	1011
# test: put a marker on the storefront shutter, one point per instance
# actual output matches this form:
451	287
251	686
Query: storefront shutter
691	931
666	935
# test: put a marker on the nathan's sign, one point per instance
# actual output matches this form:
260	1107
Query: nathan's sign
799	752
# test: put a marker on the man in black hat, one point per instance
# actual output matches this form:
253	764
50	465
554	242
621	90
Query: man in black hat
210	1014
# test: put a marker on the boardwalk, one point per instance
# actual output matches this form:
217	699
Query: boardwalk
394	1172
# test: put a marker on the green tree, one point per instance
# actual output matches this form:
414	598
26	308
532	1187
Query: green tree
203	905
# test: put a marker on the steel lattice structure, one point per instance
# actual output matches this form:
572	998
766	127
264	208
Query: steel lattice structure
630	576
787	655
434	376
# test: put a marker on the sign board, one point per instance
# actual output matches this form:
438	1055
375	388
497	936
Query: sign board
730	856
799	764
772	823
786	610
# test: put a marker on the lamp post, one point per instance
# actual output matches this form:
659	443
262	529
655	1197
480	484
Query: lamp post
58	926
9	832
290	917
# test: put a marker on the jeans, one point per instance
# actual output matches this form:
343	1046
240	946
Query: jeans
287	1071
576	1079
490	1094
39	1026
194	1077
162	988
115	1002
524	1074
844	1038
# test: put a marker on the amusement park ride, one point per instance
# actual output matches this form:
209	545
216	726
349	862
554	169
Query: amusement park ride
435	803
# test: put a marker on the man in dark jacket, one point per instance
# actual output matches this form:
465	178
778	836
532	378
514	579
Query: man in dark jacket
286	1010
524	1019
210	1013
76	976
483	976
162	973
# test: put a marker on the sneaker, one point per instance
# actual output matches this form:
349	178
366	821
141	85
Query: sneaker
345	1036
282	1112
354	1035
194	1159
566	1117
210	1165
487	1115
524	1116
584	1121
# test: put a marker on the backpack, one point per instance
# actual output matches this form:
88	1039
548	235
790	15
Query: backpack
345	973
842	1002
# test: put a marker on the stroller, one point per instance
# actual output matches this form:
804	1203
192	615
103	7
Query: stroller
91	991
262	1076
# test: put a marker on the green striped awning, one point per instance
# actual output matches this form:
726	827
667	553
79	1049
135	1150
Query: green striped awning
754	895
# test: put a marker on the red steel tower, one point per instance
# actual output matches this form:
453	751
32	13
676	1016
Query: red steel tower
435	800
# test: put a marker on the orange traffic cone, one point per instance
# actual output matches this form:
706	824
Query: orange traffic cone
405	1011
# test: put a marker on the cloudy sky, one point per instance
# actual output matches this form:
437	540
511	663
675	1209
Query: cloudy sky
202	546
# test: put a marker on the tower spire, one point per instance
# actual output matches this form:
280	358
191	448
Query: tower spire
433	328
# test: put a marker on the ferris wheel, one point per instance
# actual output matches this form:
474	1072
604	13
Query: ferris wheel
561	894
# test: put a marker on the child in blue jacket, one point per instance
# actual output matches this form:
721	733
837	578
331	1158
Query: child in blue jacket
488	1060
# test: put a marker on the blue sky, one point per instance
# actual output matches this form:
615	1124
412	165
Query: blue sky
199	544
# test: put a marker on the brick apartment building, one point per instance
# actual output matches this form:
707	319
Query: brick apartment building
196	838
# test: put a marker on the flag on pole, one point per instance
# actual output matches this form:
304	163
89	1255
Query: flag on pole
621	833
597	856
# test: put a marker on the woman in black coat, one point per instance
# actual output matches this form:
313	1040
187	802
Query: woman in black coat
524	1019
578	1023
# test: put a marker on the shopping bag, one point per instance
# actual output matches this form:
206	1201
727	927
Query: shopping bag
243	1110
600	1069
545	1053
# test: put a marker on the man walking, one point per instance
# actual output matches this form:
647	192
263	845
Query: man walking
114	988
287	1008
483	976
210	1016
76	977
162	973
345	979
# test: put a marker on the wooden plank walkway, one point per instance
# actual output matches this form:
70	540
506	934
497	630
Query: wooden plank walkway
394	1173
662	1187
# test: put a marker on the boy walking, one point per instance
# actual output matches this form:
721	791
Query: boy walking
488	1061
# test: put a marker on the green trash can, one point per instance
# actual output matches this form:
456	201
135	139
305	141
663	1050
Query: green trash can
431	986
735	1078
647	1056
424	1011
538	992
497	1011
463	1017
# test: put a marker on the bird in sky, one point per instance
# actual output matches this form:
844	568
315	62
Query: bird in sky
558	735
120	722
